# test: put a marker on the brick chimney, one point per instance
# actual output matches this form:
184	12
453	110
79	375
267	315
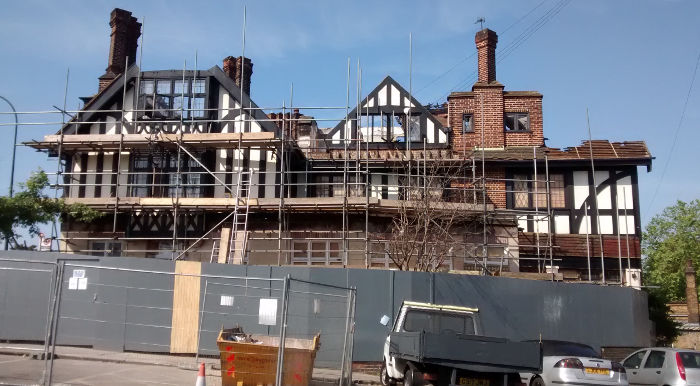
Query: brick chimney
691	293
123	43
486	46
240	70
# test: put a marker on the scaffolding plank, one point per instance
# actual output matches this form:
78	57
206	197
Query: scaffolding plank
108	142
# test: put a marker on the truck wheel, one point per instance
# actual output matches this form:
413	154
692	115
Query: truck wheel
537	382
384	377
408	377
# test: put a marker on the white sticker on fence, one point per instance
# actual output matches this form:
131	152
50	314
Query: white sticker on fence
267	315
227	300
79	273
77	283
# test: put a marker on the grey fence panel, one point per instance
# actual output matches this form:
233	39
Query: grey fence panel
518	309
373	301
24	300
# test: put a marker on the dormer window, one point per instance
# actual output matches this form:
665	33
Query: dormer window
171	98
516	122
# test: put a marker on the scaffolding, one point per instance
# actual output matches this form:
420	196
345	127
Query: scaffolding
350	168
351	188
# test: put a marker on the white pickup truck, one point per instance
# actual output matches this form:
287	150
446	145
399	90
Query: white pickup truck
432	344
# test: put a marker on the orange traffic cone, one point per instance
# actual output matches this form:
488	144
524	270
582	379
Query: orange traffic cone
201	378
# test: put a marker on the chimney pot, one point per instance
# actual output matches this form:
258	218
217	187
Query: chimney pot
486	41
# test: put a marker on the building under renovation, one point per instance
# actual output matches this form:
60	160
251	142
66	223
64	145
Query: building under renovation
186	166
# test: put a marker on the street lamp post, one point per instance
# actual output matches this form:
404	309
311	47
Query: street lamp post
14	150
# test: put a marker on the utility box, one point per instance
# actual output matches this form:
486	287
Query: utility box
252	360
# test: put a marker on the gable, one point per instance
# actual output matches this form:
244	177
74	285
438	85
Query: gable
217	107
388	117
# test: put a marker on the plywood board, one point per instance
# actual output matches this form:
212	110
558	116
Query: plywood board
185	322
224	245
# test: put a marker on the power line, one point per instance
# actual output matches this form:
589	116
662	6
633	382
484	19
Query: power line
430	83
517	42
520	39
675	135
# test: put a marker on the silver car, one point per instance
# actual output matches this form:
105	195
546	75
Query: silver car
568	363
663	366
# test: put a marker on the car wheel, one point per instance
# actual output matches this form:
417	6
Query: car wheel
408	377
384	377
537	382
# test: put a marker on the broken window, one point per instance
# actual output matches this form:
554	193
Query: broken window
517	122
399	129
374	128
467	123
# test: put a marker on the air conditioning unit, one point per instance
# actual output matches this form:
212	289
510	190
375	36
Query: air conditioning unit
633	278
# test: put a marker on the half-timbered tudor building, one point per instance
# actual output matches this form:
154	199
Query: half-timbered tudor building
186	166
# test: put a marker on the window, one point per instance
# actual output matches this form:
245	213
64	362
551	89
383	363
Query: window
467	123
635	360
172	99
316	252
332	186
399	129
155	175
109	248
554	348
691	360
517	122
525	195
438	322
655	360
374	128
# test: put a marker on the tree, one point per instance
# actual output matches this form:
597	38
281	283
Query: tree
423	235
31	207
669	241
665	327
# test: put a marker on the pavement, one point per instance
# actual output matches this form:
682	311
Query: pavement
87	366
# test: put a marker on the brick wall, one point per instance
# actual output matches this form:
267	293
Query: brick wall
496	104
531	104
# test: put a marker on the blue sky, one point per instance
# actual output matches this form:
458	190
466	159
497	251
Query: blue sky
630	62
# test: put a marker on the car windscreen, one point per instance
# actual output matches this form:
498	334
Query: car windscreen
568	349
438	322
691	360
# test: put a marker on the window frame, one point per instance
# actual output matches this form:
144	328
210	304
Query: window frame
328	255
171	113
471	123
107	247
643	354
514	117
529	182
651	352
158	174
